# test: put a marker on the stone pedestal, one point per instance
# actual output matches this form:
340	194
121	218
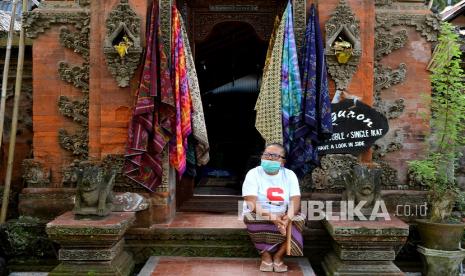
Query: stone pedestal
92	246
365	247
439	262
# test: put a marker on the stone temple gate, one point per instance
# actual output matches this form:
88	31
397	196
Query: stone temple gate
82	99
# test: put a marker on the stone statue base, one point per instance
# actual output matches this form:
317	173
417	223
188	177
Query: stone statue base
92	247
439	262
365	247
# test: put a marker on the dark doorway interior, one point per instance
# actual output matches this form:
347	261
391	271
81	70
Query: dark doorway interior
229	65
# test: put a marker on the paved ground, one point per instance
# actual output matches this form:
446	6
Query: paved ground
195	266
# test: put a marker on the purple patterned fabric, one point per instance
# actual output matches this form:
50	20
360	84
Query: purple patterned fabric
315	122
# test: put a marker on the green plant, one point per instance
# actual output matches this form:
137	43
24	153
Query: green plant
447	122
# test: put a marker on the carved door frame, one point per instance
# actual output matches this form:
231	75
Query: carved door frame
201	16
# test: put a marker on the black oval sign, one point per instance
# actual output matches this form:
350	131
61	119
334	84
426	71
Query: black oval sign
355	128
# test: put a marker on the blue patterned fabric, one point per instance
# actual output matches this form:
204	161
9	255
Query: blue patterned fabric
291	87
314	124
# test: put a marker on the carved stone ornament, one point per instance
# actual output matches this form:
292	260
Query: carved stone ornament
344	27
385	77
94	195
363	184
77	41
76	75
331	174
77	110
426	24
122	42
76	143
386	41
34	174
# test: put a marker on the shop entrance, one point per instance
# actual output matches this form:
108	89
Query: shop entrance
229	65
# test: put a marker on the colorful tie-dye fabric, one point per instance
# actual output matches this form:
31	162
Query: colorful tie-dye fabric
150	127
291	88
183	103
315	123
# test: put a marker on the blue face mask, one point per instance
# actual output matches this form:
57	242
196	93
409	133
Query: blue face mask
270	166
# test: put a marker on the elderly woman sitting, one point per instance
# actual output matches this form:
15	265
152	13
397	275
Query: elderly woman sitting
273	201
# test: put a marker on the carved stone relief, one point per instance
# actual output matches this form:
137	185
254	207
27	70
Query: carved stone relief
393	141
426	24
342	26
76	75
77	110
386	41
78	41
34	174
77	15
76	143
204	23
331	175
385	77
122	47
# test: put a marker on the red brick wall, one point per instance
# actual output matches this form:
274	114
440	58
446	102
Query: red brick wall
110	106
48	87
416	55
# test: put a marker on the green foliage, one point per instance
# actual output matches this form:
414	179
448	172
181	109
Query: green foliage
25	236
447	123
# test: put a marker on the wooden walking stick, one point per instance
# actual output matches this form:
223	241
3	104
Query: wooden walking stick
288	238
14	123
6	68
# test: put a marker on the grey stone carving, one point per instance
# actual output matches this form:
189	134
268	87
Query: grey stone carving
77	75
34	174
393	141
331	175
391	109
426	24
77	41
122	47
129	202
94	194
36	22
382	3
77	110
343	25
386	41
76	143
385	77
363	184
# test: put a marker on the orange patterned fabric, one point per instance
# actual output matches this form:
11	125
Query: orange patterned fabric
183	102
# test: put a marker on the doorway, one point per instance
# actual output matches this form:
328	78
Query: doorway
229	64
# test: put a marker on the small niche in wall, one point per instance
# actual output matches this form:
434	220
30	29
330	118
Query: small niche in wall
122	47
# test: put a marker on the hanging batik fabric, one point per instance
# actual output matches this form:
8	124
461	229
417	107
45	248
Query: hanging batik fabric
315	123
150	127
183	103
199	130
268	121
291	89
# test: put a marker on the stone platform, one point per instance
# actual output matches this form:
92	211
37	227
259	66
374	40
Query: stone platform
365	247
174	266
92	245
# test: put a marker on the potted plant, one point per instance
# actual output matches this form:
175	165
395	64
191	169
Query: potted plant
437	170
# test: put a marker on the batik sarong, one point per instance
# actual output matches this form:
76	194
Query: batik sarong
266	236
199	129
315	122
150	127
268	121
183	103
291	88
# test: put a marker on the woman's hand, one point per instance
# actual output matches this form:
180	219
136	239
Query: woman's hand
281	222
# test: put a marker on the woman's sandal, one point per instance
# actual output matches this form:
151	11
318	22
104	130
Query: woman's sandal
266	267
279	267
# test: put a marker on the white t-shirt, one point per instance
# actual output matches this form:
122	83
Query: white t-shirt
272	191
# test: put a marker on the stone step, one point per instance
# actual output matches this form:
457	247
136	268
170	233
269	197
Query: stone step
170	266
